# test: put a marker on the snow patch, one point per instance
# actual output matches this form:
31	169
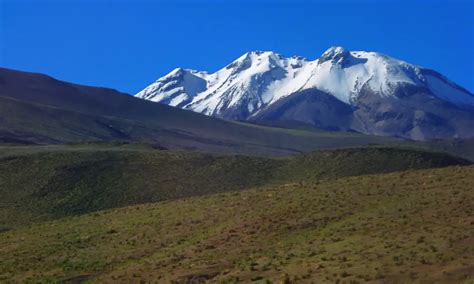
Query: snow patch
260	78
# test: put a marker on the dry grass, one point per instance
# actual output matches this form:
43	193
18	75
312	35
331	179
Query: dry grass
399	227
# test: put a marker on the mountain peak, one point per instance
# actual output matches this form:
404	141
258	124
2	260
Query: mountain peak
335	50
257	54
176	71
251	84
334	53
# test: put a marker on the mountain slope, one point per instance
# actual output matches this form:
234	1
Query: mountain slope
373	85
40	183
36	108
405	227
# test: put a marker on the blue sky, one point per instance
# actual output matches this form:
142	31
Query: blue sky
128	44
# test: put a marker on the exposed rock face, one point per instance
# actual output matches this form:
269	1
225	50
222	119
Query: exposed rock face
361	91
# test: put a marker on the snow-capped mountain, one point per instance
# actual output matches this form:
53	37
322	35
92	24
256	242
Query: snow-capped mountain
377	93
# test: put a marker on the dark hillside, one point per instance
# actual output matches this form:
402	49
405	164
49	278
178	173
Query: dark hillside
46	182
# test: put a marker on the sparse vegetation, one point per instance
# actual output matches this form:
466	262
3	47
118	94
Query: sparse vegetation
331	216
348	230
39	183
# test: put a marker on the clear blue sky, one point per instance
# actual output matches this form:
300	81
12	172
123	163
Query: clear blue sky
128	44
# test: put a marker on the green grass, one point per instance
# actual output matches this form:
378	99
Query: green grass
403	227
39	183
